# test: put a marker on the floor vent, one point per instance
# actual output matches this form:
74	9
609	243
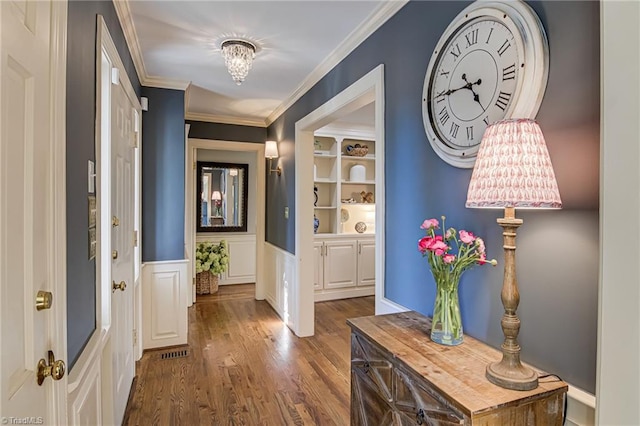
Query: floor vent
175	354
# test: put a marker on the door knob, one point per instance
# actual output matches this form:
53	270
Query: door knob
121	286
54	368
115	221
44	299
114	254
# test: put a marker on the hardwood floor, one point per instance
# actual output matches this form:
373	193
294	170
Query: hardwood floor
244	366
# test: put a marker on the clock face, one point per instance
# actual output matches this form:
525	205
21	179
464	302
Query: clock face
473	83
491	63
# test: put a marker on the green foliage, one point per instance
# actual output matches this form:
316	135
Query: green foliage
212	257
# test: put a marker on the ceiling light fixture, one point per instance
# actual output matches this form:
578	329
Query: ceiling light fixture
238	57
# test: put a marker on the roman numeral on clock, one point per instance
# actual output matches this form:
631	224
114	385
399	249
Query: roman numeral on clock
503	100
469	133
504	47
472	37
454	130
440	97
445	73
444	116
455	51
509	73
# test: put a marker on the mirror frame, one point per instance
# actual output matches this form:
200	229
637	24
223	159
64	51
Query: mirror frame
245	196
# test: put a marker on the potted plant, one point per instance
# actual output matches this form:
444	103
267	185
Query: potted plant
211	260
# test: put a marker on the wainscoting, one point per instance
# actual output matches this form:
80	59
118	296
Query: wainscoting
164	303
242	257
279	269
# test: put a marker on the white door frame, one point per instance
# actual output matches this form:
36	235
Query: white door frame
369	88
189	208
58	331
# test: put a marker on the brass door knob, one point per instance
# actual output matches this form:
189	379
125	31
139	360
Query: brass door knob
121	286
115	221
114	254
44	299
54	368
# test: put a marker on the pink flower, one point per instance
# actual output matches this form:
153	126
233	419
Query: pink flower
450	234
467	237
439	247
423	244
483	259
448	258
430	223
480	245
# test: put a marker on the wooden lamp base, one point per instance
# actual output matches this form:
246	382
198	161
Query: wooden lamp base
509	372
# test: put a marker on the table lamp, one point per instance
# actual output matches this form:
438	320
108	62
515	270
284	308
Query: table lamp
512	170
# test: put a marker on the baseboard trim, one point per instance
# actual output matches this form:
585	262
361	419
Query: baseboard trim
581	407
339	293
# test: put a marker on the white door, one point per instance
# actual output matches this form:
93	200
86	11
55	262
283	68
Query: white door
27	236
122	245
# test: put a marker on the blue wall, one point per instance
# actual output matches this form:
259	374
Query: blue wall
226	132
557	250
163	175
81	116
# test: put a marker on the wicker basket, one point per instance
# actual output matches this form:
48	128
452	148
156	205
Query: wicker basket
359	152
206	283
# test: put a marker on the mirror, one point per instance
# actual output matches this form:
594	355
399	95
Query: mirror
222	200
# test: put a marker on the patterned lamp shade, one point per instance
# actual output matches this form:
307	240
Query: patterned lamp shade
513	168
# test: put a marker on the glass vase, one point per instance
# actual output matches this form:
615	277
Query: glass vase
446	325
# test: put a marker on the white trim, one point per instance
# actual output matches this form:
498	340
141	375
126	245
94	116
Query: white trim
165	262
258	148
352	131
58	189
353	40
618	352
131	37
224	119
369	88
128	28
581	407
164	83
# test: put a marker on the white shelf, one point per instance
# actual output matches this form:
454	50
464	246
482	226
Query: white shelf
358	204
316	155
368	157
325	181
358	182
324	208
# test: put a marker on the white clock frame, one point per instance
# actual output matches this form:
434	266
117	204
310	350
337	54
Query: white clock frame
531	40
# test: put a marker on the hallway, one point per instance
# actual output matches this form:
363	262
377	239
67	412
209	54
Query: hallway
244	366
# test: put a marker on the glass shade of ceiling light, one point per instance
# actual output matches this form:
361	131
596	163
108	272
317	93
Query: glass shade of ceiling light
238	57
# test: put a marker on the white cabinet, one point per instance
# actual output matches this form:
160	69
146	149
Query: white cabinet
340	263
344	267
366	263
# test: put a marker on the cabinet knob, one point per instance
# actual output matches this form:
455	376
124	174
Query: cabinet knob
420	417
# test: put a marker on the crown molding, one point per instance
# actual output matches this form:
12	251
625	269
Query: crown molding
131	37
165	83
348	131
353	40
224	119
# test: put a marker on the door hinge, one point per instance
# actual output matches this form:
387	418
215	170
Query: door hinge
135	238
194	165
134	136
135	337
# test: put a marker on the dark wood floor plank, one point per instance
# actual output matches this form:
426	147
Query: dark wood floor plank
245	367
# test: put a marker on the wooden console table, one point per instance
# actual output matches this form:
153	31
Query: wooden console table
400	377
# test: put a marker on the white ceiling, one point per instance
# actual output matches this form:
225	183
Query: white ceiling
298	42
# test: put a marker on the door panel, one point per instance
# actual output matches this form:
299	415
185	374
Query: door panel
340	264
26	212
122	241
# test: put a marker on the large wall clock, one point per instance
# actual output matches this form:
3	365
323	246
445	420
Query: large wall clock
491	63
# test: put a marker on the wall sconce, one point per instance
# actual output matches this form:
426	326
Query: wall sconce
271	152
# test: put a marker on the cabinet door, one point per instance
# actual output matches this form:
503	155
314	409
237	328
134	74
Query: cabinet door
366	263
318	265
340	262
